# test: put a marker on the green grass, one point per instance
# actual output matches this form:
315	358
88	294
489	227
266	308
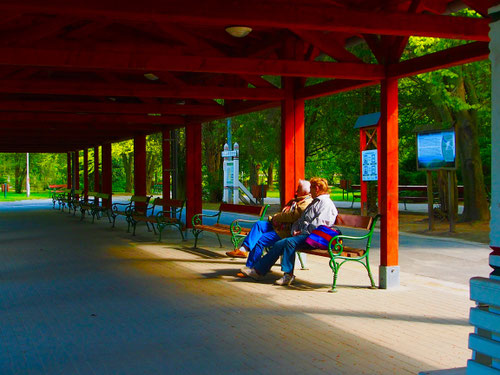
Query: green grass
336	194
12	197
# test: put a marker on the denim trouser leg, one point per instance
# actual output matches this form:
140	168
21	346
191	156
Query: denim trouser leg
258	229
285	247
267	239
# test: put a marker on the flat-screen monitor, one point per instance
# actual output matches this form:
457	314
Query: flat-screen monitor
436	149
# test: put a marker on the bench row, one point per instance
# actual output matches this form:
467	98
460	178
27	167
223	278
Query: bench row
142	209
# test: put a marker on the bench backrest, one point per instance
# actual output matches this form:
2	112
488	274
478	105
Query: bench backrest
241	209
354	221
102	195
176	206
140	198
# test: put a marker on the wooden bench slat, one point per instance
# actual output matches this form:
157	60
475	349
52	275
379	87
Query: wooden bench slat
354	221
241	209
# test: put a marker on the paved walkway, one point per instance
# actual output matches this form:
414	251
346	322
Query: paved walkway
82	298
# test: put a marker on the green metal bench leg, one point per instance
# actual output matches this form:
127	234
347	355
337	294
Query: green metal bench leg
335	269
195	234
220	242
367	266
302	267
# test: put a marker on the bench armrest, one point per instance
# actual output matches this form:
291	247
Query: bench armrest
236	228
115	206
196	220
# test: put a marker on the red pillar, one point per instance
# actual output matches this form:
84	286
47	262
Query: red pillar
166	137
140	167
193	172
107	186
85	172
97	178
76	168
68	170
388	183
292	141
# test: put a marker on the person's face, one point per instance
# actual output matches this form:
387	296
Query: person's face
314	191
300	191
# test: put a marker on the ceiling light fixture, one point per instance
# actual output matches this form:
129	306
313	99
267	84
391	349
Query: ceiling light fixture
151	76
238	31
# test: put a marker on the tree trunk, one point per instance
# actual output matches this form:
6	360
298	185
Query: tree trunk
150	167
270	178
128	162
475	200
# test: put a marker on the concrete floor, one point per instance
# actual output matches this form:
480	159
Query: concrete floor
82	298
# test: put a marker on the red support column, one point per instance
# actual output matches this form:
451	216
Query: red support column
388	184
363	184
107	185
140	167
85	172
166	139
292	141
68	170
193	172
76	168
97	177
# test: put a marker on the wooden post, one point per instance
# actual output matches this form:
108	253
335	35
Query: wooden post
68	170
363	184
430	200
166	143
140	167
107	185
451	201
193	172
388	184
85	173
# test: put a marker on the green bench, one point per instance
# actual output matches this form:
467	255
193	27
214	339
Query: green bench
62	198
163	219
94	204
340	253
125	209
237	233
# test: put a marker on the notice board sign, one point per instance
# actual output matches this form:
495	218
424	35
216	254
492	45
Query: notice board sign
436	150
370	167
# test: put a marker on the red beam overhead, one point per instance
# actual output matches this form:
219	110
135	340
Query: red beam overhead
137	90
331	87
317	16
111	107
133	61
82	118
463	54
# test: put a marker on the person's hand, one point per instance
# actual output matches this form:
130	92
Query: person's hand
296	232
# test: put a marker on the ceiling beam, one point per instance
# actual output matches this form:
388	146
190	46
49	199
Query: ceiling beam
70	118
463	54
110	107
137	90
111	61
319	16
331	87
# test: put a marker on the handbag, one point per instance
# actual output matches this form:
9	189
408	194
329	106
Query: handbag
321	236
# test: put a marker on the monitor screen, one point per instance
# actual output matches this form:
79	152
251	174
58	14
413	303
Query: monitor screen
436	149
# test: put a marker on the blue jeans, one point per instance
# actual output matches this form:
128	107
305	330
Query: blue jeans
285	247
261	235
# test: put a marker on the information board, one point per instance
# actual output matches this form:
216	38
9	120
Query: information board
436	150
370	168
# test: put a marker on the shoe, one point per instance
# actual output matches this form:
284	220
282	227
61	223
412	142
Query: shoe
237	254
250	272
287	279
241	275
